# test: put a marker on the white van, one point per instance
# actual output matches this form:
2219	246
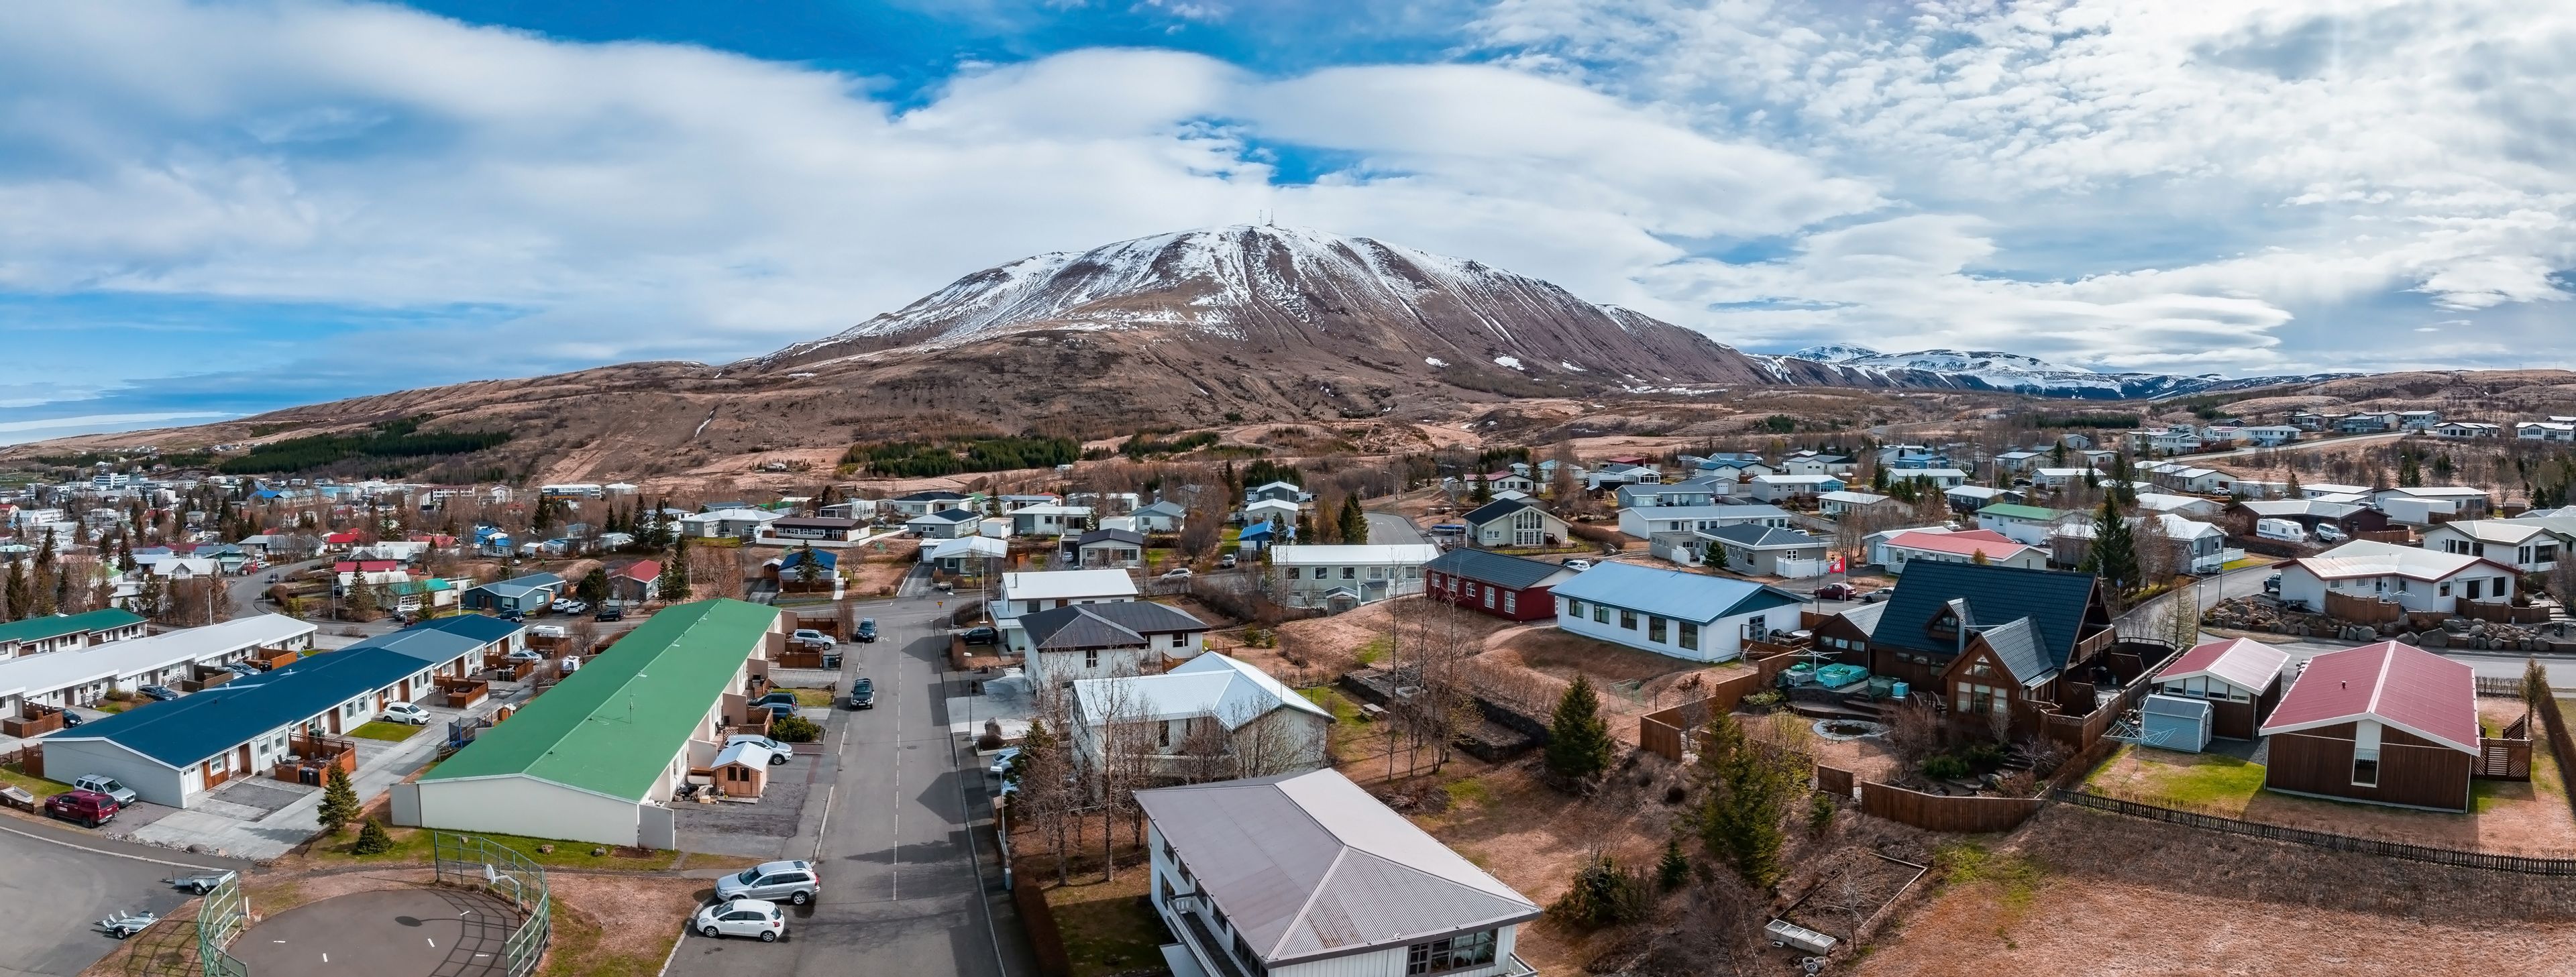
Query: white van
2285	530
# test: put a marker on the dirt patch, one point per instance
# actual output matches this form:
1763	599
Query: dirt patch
618	925
2113	895
1531	665
1330	646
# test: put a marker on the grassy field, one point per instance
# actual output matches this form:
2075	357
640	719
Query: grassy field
38	786
2193	781
1108	927
813	697
412	845
388	732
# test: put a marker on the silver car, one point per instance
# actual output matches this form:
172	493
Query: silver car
125	796
792	881
741	917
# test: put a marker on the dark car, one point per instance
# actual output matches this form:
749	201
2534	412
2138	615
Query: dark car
71	719
1837	591
610	614
777	710
157	693
2272	584
983	636
787	699
88	807
863	694
867	630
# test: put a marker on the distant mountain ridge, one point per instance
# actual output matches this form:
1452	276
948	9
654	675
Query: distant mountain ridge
2013	372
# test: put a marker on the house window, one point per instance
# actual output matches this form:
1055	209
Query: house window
1627	619
1091	658
1689	636
1655	629
1573	608
1489	598
1455	953
1600	614
2473	588
1980	700
1350	573
1511	603
1163	734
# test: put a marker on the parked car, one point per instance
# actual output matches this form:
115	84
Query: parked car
2272	584
2328	533
525	655
514	617
867	633
157	693
1177	573
1225	562
548	631
863	694
983	636
71	719
811	639
1002	761
741	917
610	613
107	785
788	881
407	714
778	710
560	605
777	751
1837	591
1578	564
88	807
776	698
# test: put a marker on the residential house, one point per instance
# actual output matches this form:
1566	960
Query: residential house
1992	638
1514	523
2366	423
973	555
927	502
1838	503
527	594
1160	517
1346	576
1101	548
2269	435
816	529
2420	580
1669	612
1780	488
2028	525
2467	429
1028	593
1697	491
2349	518
1904	549
1051	520
1013	503
734	523
1108	639
1306	875
1766	551
1262	535
84	675
635	581
1507	480
1209	718
2545	431
2239	678
598	757
2058	478
1275	492
1732	469
2384	723
2200	547
1935	476
2180	505
1967	499
800	565
2008	462
1817	463
2420	505
1509	587
59	632
2529	546
860	509
1645	523
943	524
1611	474
1281	511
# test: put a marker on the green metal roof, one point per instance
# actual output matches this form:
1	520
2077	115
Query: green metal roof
2008	510
611	727
41	628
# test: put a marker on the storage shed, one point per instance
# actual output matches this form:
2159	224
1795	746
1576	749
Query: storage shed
2172	722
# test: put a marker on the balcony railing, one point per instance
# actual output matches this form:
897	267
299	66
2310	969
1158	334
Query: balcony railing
1202	939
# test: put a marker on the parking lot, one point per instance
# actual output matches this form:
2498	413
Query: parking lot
56	893
760	829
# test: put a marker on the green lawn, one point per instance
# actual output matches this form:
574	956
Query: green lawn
2250	561
813	697
388	732
2196	781
112	706
1109	928
38	786
411	845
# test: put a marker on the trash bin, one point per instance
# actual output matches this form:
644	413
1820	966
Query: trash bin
1898	690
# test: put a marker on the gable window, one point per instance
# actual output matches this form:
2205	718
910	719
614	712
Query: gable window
2365	754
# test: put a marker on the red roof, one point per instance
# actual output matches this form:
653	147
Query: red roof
1995	545
341	538
1628	460
2396	684
432	539
366	566
641	570
2243	661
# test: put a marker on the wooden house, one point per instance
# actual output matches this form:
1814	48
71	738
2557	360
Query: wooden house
2386	723
1510	587
1985	638
2240	679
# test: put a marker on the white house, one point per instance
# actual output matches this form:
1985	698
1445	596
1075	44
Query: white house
925	503
733	523
1160	517
2545	431
2028	525
944	524
1306	875
1211	717
1029	593
1684	615
1697	491
2180	505
2059	477
2427	581
1280	511
2013	461
2467	429
2418	505
2530	546
1050	520
1846	500
1108	639
1345	576
81	676
2269	435
1645	523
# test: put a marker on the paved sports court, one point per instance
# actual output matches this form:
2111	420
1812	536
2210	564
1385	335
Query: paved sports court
415	932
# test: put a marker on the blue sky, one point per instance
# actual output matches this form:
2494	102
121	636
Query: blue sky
215	209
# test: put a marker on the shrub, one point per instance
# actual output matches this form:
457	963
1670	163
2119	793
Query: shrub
1764	699
373	839
1674	869
794	729
1820	813
1601	895
1945	767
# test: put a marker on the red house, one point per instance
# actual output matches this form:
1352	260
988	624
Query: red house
2387	723
1510	587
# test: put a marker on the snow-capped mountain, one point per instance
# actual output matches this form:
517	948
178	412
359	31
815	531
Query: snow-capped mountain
1276	289
1989	370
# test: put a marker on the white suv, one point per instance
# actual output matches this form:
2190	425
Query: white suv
793	881
404	712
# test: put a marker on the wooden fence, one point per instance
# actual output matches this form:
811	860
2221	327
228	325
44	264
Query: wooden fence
1934	812
2503	613
2563	746
2401	537
2321	839
1661	732
29	760
1833	780
2363	610
1046	942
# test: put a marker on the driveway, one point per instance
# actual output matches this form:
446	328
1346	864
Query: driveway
60	881
1392	529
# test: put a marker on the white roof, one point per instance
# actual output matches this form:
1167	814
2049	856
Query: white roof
2507	531
967	546
732	515
1362	554
1053	510
2314	489
1208	685
2438	492
745	752
2370	558
39	674
2242	662
1067	584
1856	498
1728	513
1975	491
1797	479
2162	502
1927	473
1270	504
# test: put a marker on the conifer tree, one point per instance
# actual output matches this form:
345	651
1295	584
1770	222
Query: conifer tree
1578	741
339	803
675	574
2114	556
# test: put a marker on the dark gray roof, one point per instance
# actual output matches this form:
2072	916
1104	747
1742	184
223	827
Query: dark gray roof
1109	536
1865	617
2016	645
1756	534
1499	569
1496	509
934	495
1308	866
2055	601
1114	625
947	515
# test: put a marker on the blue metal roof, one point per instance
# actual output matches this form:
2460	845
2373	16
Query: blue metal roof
1671	593
193	728
483	628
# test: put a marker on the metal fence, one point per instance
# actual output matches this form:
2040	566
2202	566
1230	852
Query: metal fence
468	860
222	916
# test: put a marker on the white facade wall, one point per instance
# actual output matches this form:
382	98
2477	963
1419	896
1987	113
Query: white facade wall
526	806
153	781
1719	640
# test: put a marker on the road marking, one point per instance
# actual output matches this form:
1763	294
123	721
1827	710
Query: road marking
894	869
824	829
326	958
433	944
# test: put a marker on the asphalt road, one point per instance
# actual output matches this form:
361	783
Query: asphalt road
245	590
905	890
2302	445
55	893
1393	529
